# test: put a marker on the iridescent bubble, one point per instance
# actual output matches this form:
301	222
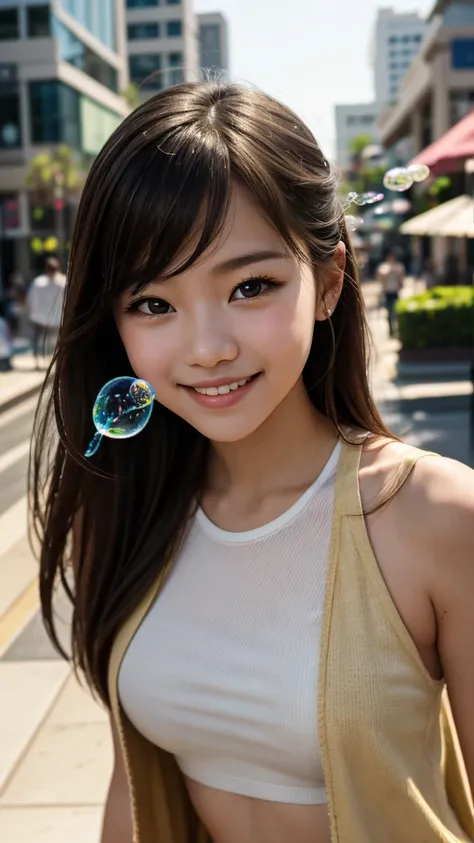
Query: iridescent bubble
348	200
418	172
121	410
398	179
352	222
368	198
372	197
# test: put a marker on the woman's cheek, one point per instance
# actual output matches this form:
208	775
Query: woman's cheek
143	351
285	332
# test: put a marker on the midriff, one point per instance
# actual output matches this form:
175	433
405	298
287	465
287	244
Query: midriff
231	818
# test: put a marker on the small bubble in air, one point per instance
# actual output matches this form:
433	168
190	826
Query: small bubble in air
418	172
368	198
398	179
348	200
372	197
352	222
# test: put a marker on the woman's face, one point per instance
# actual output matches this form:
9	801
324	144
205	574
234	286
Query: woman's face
224	343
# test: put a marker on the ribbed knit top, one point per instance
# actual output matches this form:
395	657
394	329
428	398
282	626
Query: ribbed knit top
223	671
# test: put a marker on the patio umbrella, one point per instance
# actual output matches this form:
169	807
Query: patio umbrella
451	219
447	153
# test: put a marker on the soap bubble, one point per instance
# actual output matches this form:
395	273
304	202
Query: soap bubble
362	199
398	179
121	410
418	172
371	197
352	222
348	200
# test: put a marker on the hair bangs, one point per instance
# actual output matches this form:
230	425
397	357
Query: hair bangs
165	205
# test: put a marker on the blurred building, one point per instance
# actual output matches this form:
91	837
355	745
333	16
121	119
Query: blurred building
213	42
438	90
162	43
396	41
62	68
352	121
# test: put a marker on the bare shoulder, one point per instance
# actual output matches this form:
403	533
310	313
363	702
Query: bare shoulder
425	535
422	539
435	504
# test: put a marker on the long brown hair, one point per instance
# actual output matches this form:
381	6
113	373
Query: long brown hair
166	173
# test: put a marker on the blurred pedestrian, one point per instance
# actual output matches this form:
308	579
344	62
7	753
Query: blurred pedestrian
392	275
44	304
15	300
5	340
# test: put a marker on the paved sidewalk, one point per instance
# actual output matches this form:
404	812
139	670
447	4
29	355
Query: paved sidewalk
56	750
56	756
22	382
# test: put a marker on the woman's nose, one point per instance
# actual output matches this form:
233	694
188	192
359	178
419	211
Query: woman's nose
210	341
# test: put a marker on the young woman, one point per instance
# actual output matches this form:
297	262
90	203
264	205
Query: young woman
271	593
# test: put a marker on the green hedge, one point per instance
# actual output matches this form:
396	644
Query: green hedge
440	318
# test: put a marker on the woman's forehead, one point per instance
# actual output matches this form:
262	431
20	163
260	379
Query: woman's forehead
245	230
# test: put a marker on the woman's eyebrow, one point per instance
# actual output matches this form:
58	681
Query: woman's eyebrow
230	265
245	260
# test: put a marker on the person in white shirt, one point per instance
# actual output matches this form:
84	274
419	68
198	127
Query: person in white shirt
44	304
392	275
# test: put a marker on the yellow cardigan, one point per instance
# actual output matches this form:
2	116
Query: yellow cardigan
392	762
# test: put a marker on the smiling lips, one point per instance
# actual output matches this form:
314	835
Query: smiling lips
222	393
222	389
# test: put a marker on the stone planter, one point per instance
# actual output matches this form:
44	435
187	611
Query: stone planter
436	355
426	365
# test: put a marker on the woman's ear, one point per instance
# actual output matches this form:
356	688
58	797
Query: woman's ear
331	280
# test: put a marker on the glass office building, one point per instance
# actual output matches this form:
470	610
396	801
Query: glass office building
62	68
162	43
97	16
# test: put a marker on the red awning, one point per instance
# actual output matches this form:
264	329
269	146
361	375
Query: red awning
448	153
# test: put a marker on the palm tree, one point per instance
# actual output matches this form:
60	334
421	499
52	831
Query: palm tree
54	178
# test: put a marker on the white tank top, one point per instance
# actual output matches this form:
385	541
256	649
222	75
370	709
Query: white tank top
223	671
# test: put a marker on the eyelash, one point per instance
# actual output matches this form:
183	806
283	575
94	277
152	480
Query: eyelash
271	284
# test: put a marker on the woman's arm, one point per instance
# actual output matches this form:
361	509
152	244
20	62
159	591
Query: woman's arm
448	525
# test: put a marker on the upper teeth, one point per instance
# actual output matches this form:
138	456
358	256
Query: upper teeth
220	390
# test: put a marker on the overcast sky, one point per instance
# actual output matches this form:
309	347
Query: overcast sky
309	53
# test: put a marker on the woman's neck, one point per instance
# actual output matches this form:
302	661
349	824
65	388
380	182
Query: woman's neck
287	451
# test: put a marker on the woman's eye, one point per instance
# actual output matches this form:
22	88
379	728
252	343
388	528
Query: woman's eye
251	289
153	307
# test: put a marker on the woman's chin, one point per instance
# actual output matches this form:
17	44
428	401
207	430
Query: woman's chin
222	431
